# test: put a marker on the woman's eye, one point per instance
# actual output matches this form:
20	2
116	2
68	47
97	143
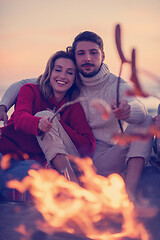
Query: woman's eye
71	73
57	70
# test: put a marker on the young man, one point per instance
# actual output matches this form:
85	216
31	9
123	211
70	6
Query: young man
98	82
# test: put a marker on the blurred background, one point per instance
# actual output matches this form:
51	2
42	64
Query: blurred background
32	30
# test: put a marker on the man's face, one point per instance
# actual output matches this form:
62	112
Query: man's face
89	58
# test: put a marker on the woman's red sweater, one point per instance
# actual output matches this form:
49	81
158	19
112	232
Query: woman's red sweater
19	136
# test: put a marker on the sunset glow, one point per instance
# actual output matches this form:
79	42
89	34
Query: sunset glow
31	31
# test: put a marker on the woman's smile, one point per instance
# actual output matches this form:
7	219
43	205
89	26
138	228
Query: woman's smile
62	77
60	82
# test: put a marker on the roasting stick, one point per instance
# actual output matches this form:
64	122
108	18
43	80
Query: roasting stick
63	106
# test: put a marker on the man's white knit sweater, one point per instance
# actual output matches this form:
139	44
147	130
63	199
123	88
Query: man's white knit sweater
103	85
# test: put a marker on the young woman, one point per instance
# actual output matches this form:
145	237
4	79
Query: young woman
69	133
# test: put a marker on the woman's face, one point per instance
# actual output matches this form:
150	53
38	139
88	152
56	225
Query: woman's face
62	76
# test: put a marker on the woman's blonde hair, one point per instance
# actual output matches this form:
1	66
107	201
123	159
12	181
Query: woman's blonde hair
44	79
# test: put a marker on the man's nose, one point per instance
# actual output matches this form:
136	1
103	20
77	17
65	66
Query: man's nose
87	57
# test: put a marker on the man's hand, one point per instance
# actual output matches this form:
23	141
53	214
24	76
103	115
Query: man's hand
123	111
3	114
44	124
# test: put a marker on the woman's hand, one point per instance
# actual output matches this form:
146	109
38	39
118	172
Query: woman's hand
44	124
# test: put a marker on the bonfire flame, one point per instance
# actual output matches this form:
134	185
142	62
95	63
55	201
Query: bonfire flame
99	210
142	134
5	162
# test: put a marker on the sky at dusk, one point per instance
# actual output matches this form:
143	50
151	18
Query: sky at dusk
32	30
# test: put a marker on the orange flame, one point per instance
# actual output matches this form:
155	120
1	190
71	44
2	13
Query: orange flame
5	161
137	135
22	229
127	138
92	211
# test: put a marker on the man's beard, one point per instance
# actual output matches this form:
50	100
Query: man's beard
90	74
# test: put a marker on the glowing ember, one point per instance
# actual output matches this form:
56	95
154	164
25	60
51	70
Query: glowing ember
5	161
22	229
136	135
99	210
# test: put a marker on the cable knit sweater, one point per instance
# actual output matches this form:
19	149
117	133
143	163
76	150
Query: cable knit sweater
103	85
